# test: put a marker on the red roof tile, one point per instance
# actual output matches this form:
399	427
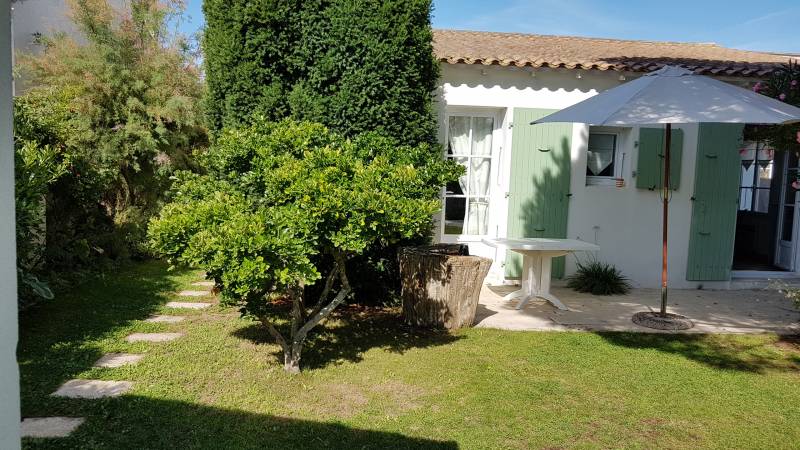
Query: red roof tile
531	50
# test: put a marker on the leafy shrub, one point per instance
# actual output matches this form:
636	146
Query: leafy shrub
37	167
598	278
281	201
353	65
119	107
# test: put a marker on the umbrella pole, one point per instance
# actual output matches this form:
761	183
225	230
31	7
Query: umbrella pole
664	226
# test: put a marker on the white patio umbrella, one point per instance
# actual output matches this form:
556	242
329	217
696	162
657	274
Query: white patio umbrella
674	95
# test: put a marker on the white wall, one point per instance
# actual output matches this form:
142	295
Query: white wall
9	374
38	16
625	222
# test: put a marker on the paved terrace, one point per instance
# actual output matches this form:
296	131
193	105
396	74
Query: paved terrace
734	311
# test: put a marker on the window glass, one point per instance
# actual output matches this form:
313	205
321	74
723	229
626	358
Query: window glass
469	142
458	135
454	209
601	155
757	164
788	223
482	135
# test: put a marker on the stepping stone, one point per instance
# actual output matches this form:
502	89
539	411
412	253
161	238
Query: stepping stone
92	389
153	337
193	293
113	360
50	427
188	305
204	283
164	319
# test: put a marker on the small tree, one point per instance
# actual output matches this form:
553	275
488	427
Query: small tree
283	201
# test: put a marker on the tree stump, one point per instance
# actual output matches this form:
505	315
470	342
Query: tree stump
441	285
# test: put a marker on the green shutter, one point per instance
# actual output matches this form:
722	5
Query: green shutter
714	204
539	185
650	169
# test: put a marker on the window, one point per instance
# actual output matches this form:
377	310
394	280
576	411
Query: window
602	158
466	201
756	177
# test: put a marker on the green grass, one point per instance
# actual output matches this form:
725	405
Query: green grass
373	383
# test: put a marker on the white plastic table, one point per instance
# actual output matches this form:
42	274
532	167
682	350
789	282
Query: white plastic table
537	257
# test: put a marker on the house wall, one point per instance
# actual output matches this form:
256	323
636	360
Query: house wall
9	374
625	222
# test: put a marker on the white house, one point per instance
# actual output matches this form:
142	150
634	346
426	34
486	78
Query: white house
732	213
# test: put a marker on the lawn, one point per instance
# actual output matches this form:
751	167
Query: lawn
371	382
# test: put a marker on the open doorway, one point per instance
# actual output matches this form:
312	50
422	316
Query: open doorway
766	225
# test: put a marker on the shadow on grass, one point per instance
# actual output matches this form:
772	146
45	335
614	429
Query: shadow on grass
348	334
743	353
56	337
132	422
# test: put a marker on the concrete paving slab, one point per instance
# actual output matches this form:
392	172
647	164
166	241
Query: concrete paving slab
153	337
712	311
164	319
113	360
208	284
193	293
49	427
188	305
92	389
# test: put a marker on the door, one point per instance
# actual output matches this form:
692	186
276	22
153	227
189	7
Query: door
715	202
469	202
539	186
787	217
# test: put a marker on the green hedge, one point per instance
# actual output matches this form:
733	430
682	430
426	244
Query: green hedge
353	65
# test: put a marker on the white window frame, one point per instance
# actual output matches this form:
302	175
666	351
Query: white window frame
592	180
494	158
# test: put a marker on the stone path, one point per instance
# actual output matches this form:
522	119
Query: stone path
164	319
58	427
188	305
113	360
193	293
153	337
92	389
50	427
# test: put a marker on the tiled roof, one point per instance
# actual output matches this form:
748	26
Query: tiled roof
531	50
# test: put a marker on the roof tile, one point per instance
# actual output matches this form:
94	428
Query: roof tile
532	50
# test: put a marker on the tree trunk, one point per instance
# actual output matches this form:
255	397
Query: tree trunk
441	285
291	358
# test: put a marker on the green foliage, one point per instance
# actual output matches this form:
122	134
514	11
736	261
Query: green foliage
119	110
598	278
37	167
279	199
784	85
353	65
